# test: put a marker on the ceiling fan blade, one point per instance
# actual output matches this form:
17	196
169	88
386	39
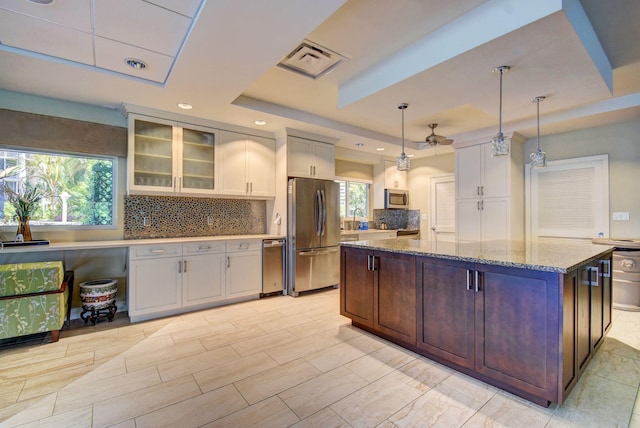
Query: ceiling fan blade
445	141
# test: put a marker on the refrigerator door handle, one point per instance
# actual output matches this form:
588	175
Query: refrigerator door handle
316	212
323	212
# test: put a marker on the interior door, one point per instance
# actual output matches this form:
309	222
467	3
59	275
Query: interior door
443	208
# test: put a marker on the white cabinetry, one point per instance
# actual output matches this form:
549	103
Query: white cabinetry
244	268
247	165
489	194
310	159
169	157
394	179
378	234
168	279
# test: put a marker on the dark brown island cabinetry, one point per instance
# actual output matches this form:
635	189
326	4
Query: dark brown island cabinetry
381	293
528	331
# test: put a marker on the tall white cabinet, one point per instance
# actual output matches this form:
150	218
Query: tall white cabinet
489	193
309	158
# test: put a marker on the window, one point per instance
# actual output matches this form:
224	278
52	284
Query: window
354	195
78	191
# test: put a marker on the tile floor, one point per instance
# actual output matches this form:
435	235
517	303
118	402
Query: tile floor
280	362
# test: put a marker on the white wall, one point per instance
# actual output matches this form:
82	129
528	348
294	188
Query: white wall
622	143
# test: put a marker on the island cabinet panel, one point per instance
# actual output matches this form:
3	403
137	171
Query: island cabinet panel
446	311
378	291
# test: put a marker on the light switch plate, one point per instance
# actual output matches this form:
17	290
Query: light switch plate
424	217
621	216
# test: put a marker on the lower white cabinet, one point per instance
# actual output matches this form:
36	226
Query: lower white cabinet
172	278
244	268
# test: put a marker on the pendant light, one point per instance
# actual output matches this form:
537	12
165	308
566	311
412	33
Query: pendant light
539	158
403	162
500	143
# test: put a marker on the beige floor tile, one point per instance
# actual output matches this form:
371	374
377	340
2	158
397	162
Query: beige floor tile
256	319
131	423
325	418
374	403
507	412
322	391
299	348
570	417
285	322
44	367
77	418
233	371
146	355
51	382
202	332
264	342
621	347
423	374
179	324
29	411
143	400
224	338
345	333
86	391
635	421
616	367
195	411
314	328
273	381
603	397
196	363
270	413
380	362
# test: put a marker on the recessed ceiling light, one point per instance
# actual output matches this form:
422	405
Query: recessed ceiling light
136	63
380	149
410	156
44	2
359	144
185	106
260	122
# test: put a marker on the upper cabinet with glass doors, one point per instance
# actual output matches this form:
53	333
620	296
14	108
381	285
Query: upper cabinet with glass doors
169	157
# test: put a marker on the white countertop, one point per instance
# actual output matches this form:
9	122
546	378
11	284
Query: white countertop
123	243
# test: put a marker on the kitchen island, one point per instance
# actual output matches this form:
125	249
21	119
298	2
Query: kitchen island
525	317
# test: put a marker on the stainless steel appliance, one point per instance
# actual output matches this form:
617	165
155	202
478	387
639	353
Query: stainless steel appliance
398	199
273	266
313	227
408	234
626	272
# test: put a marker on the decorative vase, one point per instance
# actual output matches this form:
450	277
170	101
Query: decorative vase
24	229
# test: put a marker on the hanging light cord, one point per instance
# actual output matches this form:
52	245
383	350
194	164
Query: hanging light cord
538	114
403	108
500	125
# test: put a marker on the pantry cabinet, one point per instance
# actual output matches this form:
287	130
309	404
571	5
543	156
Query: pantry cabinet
246	165
168	157
310	159
489	193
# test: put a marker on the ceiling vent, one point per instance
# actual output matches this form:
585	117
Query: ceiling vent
311	60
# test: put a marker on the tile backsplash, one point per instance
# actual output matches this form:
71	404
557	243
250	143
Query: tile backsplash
177	216
397	219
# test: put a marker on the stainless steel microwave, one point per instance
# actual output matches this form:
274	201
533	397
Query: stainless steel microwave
398	199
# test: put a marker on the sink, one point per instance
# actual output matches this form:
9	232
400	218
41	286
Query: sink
10	244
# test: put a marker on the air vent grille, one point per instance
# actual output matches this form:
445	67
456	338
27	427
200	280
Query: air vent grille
311	60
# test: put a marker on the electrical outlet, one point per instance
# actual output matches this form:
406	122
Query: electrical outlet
621	216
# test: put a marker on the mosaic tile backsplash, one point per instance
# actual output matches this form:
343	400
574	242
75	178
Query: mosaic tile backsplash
175	217
397	219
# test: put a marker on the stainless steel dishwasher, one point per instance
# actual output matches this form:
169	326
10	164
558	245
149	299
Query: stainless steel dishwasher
273	266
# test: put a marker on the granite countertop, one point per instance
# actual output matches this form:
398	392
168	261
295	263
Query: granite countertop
358	231
549	257
123	243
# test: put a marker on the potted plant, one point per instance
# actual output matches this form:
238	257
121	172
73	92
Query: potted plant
24	199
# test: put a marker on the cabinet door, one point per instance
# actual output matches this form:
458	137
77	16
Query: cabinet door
394	298
518	328
261	159
583	317
324	161
152	165
233	164
244	274
299	157
496	219
197	154
468	220
203	279
494	180
446	310
154	285
600	300
356	285
468	172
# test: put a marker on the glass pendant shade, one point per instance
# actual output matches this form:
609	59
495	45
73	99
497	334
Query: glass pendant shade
539	157
403	163
500	143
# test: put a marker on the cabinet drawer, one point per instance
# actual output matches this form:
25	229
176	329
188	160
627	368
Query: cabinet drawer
151	251
204	247
244	245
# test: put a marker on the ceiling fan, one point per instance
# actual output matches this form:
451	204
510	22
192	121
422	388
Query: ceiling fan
434	139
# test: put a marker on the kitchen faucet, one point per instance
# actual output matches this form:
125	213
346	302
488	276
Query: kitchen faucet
354	214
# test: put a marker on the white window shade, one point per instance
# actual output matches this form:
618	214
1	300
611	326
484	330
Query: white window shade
568	199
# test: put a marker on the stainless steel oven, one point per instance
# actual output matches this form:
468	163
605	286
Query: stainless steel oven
398	199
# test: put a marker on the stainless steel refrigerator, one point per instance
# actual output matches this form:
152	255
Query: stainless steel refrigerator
313	234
